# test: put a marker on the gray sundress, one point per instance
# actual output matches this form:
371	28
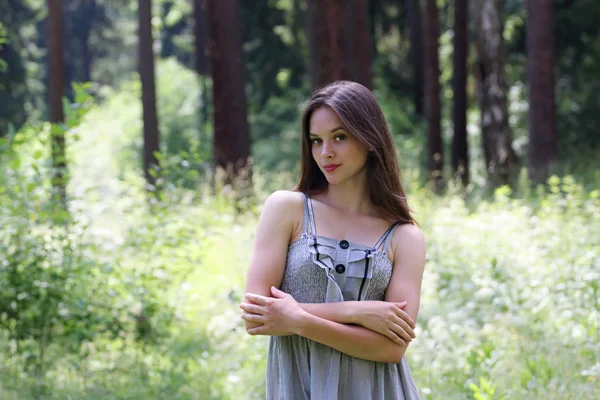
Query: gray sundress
321	269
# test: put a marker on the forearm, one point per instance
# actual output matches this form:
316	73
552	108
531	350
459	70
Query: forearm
342	312
354	341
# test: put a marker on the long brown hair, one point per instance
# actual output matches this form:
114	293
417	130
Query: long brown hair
357	108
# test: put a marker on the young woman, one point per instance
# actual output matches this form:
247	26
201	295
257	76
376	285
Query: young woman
335	272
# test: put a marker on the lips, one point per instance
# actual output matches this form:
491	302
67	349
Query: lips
331	167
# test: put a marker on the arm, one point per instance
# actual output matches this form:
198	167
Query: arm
405	285
273	233
282	315
386	318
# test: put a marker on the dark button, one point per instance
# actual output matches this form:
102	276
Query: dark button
344	244
340	269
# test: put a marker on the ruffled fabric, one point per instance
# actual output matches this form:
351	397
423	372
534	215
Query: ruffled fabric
357	263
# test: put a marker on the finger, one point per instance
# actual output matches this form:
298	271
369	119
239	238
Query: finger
252	308
253	317
256	331
256	298
395	338
403	330
405	326
277	293
402	314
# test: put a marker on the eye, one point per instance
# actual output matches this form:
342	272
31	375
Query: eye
339	138
315	141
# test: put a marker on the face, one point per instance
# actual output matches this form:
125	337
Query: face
337	153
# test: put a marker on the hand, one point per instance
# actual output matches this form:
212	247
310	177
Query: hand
279	315
388	319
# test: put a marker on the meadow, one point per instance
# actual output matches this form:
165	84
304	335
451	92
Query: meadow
139	300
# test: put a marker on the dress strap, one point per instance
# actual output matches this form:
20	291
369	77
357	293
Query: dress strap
387	237
305	215
311	214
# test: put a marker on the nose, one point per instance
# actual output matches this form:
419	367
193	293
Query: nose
327	149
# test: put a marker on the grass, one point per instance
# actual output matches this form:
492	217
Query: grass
510	301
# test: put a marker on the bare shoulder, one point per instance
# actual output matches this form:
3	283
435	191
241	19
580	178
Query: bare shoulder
408	244
284	200
284	208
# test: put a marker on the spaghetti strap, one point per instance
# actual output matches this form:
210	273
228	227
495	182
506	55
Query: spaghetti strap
311	214
305	216
388	240
387	236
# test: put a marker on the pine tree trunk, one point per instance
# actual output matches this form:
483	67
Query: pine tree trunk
146	69
432	94
460	156
415	22
231	144
200	37
501	160
543	142
56	80
361	33
327	41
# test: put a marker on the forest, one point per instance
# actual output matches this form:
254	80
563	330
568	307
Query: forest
139	140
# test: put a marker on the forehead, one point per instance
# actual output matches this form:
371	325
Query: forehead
324	120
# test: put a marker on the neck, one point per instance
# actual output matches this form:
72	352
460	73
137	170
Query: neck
350	196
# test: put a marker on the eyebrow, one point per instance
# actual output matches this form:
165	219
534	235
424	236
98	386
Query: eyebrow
331	131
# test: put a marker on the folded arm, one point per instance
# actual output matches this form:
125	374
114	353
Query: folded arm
268	314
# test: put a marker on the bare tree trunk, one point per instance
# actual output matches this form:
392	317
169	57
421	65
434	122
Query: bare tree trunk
361	32
460	153
432	94
201	64
501	160
88	10
543	142
415	22
231	143
200	37
146	69
56	79
327	41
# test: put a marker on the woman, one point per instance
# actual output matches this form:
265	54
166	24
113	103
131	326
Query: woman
347	258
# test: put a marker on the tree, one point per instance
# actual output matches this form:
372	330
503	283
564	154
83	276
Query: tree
500	158
146	69
201	63
415	22
328	44
13	88
432	94
543	142
55	95
460	156
360	31
231	144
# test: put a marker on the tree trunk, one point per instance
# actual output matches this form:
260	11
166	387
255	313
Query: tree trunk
200	37
543	142
432	94
327	42
361	33
231	144
167	48
88	12
415	22
146	69
460	154
56	79
501	160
